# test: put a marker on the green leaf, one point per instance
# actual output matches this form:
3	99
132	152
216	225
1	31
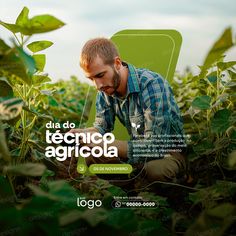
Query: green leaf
37	155
15	152
59	190
40	215
13	66
212	79
3	47
43	183
45	23
94	216
22	19
221	121
5	88
42	24
232	74
232	159
39	45
10	109
4	152
15	62
63	190
202	102
37	24
224	43
6	194
70	217
28	61
203	147
116	191
152	227
40	60
225	65
213	222
26	169
220	190
12	27
52	101
222	211
233	135
122	219
7	224
39	115
40	79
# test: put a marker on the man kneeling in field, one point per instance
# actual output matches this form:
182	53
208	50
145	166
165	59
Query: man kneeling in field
144	103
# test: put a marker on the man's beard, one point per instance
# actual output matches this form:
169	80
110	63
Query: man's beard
116	80
115	83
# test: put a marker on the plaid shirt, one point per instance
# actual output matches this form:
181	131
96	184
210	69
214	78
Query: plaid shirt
148	110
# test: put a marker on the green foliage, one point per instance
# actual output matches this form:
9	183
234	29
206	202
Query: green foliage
214	222
202	102
23	80
207	101
5	88
16	64
224	43
40	60
27	169
34	25
221	121
66	101
39	45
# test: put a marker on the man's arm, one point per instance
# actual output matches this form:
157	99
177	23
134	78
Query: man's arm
86	130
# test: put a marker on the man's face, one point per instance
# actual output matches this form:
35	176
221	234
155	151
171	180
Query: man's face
105	77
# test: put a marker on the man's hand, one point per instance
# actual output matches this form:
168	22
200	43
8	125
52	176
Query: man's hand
77	131
86	130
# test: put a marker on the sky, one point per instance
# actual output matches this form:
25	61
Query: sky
200	22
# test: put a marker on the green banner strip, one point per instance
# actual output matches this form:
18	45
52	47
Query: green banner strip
110	168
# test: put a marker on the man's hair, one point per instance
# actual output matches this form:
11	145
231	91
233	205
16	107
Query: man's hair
102	47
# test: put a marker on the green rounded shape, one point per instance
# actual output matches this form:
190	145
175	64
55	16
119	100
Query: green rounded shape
110	168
